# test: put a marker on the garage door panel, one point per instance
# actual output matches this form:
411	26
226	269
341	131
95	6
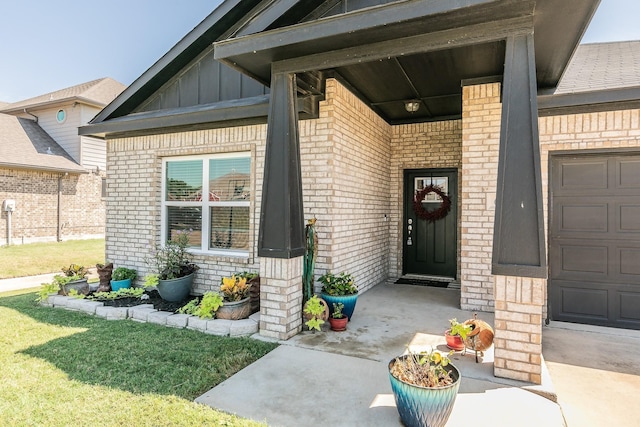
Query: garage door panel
583	217
629	307
628	267
628	176
578	260
583	175
584	301
629	217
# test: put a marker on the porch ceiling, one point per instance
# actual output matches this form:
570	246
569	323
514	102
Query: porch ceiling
423	50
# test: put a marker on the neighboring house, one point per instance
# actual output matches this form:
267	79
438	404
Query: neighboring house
55	177
343	110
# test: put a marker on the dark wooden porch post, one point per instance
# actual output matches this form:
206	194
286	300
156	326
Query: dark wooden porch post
281	233
518	240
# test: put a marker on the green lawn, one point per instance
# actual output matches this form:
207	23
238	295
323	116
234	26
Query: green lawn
40	258
61	368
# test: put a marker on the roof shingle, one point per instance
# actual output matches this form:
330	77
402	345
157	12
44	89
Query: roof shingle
602	66
100	92
25	145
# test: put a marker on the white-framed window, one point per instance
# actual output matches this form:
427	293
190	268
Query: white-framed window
218	223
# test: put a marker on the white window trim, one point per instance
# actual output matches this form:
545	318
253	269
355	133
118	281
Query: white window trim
205	205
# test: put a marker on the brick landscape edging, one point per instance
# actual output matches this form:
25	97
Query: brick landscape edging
145	313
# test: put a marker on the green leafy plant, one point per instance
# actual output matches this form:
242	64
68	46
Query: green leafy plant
190	308
46	289
341	284
120	293
73	293
123	273
205	308
460	329
249	275
172	260
150	280
315	309
337	310
425	369
209	304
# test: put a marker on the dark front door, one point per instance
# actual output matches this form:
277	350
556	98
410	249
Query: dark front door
430	247
594	254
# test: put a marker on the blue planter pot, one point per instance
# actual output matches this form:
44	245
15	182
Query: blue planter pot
175	290
423	406
120	284
349	302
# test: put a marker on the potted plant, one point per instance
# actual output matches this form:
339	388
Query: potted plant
122	277
425	386
236	303
75	277
172	263
339	289
338	321
315	312
456	334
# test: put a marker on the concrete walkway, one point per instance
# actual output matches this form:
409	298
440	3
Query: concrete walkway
341	378
25	282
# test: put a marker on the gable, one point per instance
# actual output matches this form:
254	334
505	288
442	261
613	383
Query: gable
204	81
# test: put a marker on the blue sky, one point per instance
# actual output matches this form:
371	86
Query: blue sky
49	45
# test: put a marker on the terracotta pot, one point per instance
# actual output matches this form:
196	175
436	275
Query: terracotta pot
234	310
338	324
454	342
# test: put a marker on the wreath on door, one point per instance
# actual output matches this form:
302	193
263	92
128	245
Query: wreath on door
436	214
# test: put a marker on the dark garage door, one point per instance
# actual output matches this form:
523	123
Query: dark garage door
594	253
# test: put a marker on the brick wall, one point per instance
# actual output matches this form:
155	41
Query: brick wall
481	113
357	189
36	216
418	146
133	196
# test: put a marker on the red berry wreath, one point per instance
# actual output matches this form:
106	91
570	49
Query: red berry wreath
435	214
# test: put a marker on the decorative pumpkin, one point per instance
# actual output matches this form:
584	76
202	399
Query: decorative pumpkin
481	336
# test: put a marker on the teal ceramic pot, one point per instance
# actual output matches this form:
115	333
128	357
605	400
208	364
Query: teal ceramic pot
423	406
120	284
175	290
349	302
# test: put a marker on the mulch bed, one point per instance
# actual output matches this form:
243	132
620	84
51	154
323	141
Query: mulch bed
154	298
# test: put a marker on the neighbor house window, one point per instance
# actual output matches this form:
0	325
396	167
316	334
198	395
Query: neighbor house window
61	116
209	197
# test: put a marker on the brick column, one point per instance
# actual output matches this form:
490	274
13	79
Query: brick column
518	328
280	297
